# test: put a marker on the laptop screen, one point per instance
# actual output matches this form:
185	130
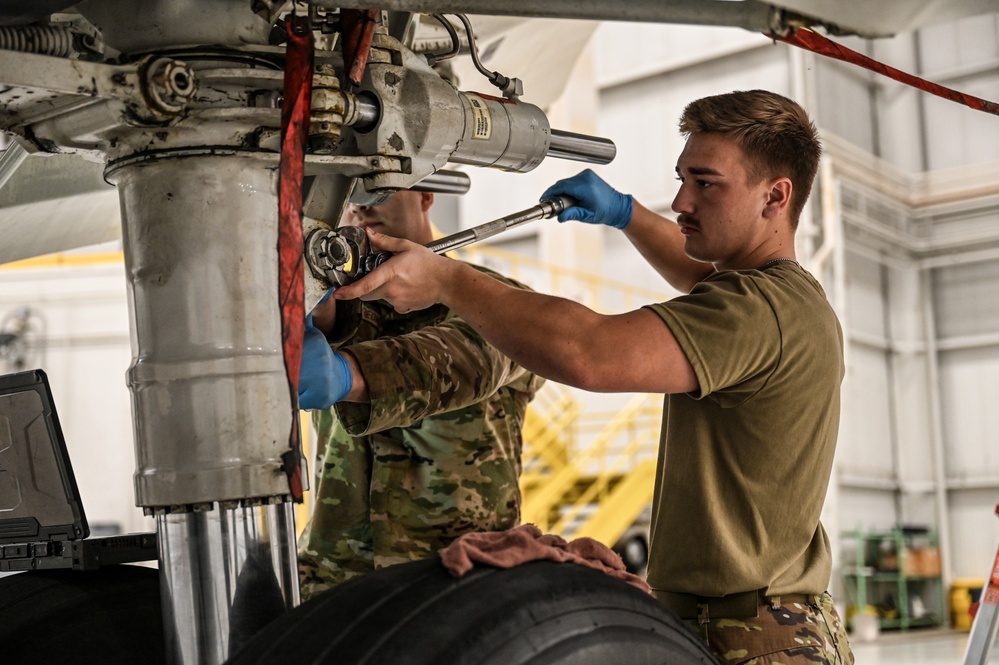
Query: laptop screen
39	499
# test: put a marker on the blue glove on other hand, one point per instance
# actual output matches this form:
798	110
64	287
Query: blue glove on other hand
324	378
599	203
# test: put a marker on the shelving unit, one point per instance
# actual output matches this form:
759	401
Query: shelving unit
898	573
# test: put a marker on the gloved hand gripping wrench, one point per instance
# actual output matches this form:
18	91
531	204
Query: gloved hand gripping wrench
344	255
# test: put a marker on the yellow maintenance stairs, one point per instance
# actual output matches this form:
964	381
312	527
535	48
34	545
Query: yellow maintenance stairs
591	474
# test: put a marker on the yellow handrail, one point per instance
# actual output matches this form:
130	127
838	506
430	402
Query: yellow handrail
622	506
600	486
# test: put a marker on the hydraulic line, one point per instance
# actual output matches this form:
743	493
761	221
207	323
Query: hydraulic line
433	58
511	87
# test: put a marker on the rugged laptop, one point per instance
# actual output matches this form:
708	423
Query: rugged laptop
42	523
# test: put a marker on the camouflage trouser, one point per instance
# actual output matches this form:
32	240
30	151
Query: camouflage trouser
792	634
405	495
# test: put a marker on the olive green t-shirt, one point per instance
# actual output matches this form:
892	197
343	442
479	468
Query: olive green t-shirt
744	462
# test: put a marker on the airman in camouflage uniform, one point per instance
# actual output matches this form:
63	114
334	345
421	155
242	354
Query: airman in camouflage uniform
435	453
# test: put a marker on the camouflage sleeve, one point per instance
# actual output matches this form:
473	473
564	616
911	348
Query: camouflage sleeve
429	371
348	320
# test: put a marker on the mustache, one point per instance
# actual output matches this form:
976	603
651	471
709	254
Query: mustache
687	220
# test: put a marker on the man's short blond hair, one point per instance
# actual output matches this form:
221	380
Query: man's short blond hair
775	133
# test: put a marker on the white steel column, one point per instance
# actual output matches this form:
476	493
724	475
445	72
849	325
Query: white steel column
936	426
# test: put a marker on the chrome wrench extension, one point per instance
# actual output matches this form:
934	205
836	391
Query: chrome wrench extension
345	256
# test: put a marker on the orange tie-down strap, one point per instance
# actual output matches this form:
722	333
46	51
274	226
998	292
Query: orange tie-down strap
295	113
813	41
506	549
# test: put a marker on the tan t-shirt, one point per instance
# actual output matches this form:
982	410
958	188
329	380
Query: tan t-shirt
745	462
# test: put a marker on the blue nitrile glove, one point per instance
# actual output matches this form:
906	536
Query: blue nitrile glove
599	203
326	296
324	377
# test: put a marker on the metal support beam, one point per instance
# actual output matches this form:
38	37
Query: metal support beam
937	448
749	14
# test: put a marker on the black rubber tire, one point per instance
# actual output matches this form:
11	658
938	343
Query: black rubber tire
540	613
110	615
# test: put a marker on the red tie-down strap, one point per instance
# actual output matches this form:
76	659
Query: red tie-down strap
813	41
357	29
294	134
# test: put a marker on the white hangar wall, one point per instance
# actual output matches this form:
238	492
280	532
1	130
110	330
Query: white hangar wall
79	314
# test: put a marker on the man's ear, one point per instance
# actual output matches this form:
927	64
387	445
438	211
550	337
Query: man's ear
426	200
778	197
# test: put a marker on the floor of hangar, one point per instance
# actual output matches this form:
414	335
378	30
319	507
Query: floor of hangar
917	647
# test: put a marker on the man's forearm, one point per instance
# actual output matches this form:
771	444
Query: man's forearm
358	387
324	316
542	333
553	337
